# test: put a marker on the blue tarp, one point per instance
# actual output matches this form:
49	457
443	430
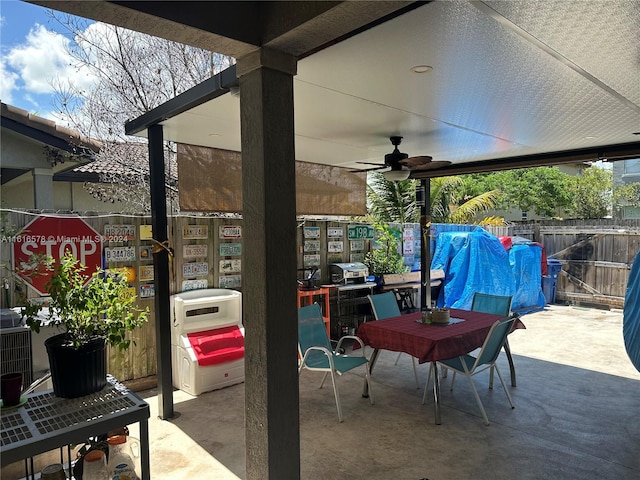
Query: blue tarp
476	261
631	322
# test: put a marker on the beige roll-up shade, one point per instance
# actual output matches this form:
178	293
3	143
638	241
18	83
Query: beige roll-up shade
210	180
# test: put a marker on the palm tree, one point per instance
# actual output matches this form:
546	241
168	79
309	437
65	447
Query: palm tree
392	202
395	202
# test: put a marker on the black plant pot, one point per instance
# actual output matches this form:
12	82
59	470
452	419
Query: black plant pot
77	372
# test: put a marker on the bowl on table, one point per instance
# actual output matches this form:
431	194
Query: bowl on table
440	315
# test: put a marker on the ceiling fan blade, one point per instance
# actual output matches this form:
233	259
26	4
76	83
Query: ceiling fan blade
371	163
431	165
416	162
357	170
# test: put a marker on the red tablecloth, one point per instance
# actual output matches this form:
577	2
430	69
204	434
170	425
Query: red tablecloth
430	343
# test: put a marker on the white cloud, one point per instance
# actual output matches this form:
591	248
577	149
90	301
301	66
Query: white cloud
41	60
8	82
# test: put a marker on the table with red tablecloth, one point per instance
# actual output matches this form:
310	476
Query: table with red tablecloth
429	342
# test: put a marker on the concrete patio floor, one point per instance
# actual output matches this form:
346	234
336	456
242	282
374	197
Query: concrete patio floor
577	416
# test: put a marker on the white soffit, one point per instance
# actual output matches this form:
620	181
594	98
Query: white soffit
509	78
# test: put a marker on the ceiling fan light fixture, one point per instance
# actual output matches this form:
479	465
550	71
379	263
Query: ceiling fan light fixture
421	68
396	175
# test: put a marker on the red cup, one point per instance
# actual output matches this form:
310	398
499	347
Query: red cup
11	387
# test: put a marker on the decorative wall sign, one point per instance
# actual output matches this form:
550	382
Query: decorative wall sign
230	249
146	253
312	245
119	233
230	231
147	291
230	281
191	232
195	269
311	232
146	232
366	232
335	247
408	234
197	284
230	265
120	254
333	232
407	248
357	244
311	260
145	273
194	251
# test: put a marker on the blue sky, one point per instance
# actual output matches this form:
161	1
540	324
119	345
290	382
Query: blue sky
32	55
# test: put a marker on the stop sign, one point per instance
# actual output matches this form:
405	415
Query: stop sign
54	236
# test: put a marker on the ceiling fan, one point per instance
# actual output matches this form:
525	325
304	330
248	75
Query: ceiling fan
400	165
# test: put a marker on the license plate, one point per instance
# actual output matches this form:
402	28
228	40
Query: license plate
147	291
145	273
230	265
120	254
230	281
230	249
231	231
195	231
194	284
193	251
335	247
195	269
334	232
119	233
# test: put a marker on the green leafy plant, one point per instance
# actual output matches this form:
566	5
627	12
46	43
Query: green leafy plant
104	307
386	258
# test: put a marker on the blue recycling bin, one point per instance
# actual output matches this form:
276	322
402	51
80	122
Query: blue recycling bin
553	267
550	281
549	288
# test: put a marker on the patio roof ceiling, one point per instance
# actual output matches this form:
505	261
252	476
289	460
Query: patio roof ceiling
512	83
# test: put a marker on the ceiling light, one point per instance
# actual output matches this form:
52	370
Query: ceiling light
396	175
421	68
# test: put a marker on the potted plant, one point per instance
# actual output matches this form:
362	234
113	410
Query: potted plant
91	315
386	258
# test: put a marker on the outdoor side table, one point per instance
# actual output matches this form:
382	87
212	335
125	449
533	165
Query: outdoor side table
324	293
46	422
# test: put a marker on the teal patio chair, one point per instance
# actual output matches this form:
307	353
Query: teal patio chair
316	354
498	305
469	365
385	305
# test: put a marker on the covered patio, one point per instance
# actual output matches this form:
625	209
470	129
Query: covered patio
577	402
509	91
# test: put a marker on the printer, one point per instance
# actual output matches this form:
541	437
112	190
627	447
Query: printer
348	273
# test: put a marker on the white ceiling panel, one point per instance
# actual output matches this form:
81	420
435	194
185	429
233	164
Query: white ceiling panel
508	79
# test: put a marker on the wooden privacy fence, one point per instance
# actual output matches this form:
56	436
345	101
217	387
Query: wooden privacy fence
596	257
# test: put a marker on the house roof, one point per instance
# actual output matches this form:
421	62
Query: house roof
118	160
64	148
47	131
